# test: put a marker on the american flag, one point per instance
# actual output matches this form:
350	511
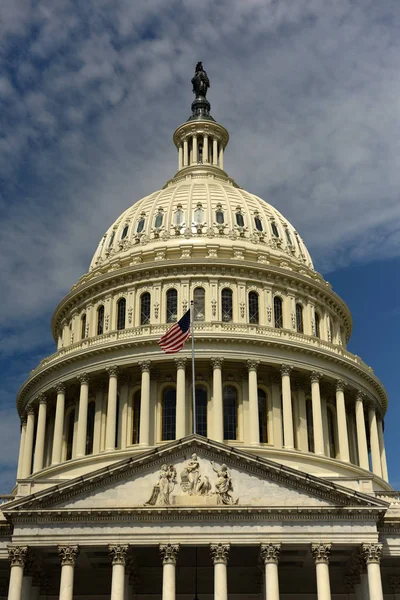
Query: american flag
174	339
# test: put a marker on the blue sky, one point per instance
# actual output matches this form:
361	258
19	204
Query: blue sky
90	93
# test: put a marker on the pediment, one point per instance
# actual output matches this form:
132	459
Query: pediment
195	473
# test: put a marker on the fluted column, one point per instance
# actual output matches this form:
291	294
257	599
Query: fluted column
219	554
169	553
343	437
180	397
288	440
17	556
372	554
374	441
180	157
218	409
58	425
317	413
82	415
123	413
215	151
68	556
194	149
254	426
205	149
185	153
118	556
40	434
221	157
28	446
321	553
21	448
361	433
111	408
270	556
144	430
382	450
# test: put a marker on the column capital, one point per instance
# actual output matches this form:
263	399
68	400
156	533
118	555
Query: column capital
394	582
83	378
340	385
270	553
360	395
42	399
219	553
68	554
30	410
169	553
118	554
286	369
145	366
60	387
217	362
372	553
23	421
112	371
180	363
321	552
18	555
315	376
252	364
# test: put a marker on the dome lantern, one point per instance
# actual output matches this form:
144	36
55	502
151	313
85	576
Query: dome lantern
201	140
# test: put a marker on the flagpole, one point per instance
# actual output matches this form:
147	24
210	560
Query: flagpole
193	375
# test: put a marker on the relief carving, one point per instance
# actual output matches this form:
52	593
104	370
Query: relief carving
192	482
161	495
223	485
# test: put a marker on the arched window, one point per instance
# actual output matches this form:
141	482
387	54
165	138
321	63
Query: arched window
70	433
140	225
239	219
226	304
145	307
199	304
100	320
172	306
201	410
158	221
136	417
198	215
278	312
90	427
288	237
317	325
331	432
263	416
274	228
169	414
219	217
83	326
258	223
110	243
310	425
124	232
299	318
253	307
179	216
121	313
230	412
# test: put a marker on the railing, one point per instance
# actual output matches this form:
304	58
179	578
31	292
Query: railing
392	496
6	498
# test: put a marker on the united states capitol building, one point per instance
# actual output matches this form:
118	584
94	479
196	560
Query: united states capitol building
281	492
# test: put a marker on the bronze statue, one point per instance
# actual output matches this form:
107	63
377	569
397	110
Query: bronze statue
200	81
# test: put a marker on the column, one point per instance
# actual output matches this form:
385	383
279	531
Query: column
218	425
270	556
302	429
21	447
111	408
385	474
40	434
185	153
317	413
144	426
215	151
219	554
221	157
58	424
343	437
82	415
180	157
374	441
169	553
321	553
68	556
288	441
17	556
364	584
372	555
123	413
118	556
205	149
194	151
180	397
28	446
276	410
254	425
361	434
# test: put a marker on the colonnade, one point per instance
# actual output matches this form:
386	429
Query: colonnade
287	407
200	148
122	562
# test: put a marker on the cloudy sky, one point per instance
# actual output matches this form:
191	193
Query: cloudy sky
90	93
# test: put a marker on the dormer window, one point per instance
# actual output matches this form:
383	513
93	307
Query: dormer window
274	229
258	223
159	220
124	232
140	225
239	219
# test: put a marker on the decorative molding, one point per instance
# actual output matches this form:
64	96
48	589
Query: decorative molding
286	369
42	399
252	364
321	552
118	554
180	363
372	553
340	385
60	387
169	553
145	366
315	376
68	554
112	371
270	553
217	362
219	553
18	555
83	378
